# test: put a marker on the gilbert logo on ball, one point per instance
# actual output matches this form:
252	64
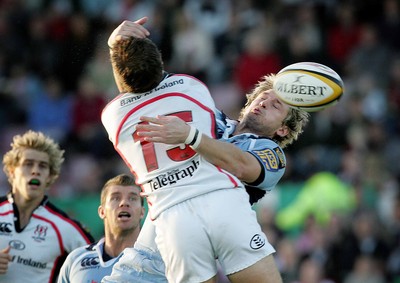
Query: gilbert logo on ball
309	86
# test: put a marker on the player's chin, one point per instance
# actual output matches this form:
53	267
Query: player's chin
125	225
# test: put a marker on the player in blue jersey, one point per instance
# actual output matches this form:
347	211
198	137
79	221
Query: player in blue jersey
121	209
35	236
174	191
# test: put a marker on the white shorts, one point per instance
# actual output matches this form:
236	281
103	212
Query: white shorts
218	225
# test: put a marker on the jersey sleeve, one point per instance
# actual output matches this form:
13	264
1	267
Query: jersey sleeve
272	161
65	271
73	233
70	264
76	236
269	155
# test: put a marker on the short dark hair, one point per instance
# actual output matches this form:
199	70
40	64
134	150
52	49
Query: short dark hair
139	64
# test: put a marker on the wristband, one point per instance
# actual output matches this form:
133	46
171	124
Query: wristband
194	138
191	135
197	140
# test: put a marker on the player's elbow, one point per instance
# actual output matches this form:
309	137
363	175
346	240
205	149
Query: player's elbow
242	172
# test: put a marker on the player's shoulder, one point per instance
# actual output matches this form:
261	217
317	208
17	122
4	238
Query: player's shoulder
182	80
75	257
4	203
81	251
56	213
251	141
64	222
6	210
270	154
174	76
266	141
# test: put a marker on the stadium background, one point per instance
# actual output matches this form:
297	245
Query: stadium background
336	212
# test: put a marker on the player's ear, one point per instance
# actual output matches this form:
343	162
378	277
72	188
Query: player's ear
101	212
282	131
11	172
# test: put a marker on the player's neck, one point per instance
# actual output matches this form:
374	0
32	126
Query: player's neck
25	208
241	128
115	243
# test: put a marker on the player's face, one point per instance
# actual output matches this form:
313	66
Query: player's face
31	175
265	115
122	210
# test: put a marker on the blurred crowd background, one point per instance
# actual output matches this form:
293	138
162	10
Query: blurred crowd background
335	217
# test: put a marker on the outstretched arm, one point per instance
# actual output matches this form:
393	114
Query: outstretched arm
173	130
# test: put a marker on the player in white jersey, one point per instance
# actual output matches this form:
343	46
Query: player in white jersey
35	236
233	274
121	209
253	144
264	150
189	199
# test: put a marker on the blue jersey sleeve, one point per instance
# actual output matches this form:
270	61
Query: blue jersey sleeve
272	161
268	153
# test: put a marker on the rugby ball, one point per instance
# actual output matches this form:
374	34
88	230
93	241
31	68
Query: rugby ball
309	86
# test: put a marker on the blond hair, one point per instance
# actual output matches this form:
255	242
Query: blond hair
295	120
37	141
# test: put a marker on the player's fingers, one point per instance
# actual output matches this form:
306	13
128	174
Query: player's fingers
141	21
139	25
3	269
147	128
155	120
135	32
149	134
128	28
5	250
125	31
165	120
153	139
5	260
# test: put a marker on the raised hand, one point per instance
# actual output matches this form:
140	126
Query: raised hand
127	29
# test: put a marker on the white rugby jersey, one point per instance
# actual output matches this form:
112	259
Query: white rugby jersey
145	252
86	264
269	154
39	249
168	174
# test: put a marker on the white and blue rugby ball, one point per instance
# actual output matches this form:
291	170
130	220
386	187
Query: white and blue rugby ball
308	86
